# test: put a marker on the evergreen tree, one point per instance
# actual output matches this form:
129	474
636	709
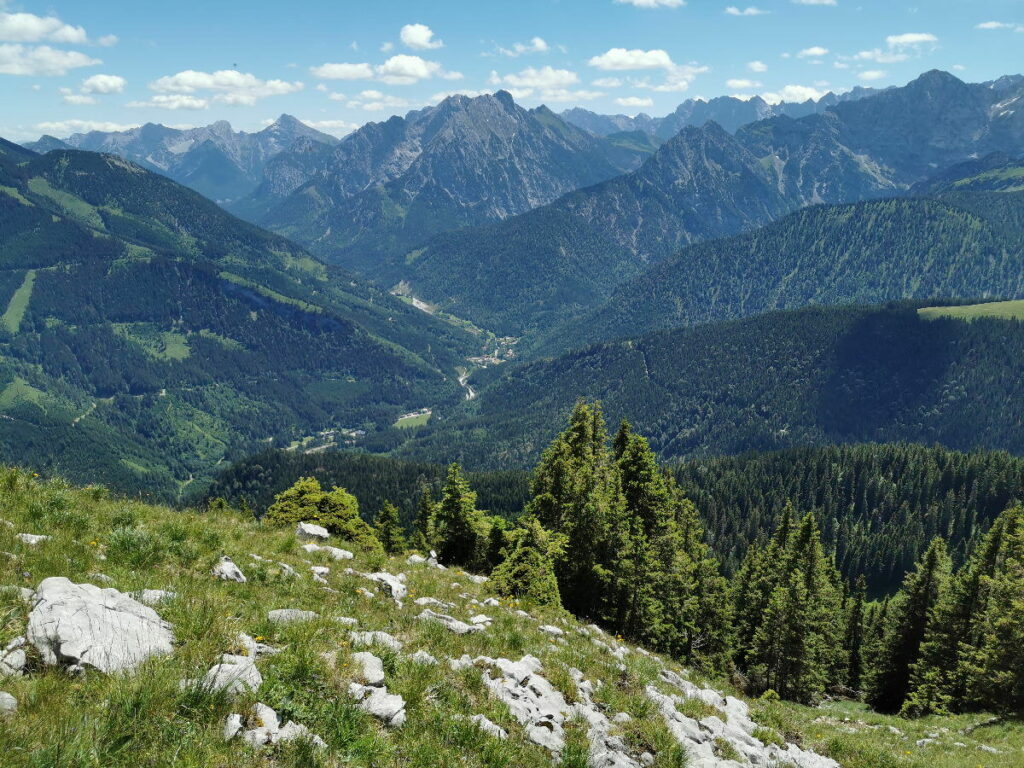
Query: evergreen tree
908	621
528	570
336	510
575	493
459	528
854	640
389	529
426	508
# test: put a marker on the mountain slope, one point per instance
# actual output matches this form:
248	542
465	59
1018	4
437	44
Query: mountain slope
216	161
820	375
391	185
967	244
526	271
148	334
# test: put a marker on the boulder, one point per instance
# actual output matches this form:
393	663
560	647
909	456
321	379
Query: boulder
226	570
13	658
371	668
453	624
232	726
311	532
234	674
415	559
8	704
255	649
291	616
395	586
422	657
153	597
85	625
332	552
547	629
291	731
389	708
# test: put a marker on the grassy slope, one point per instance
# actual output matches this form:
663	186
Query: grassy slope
144	719
1013	310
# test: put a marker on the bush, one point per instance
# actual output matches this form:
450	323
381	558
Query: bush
336	510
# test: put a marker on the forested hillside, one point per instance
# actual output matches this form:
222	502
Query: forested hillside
148	335
812	376
966	243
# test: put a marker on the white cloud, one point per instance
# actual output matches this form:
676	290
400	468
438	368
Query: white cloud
653	3
419	37
376	101
322	88
439	97
29	28
816	2
173	101
343	71
387	47
104	84
621	59
335	96
634	101
536	45
564	95
870	75
337	128
793	93
882	57
815	51
757	66
107	40
70	97
545	78
741	84
994	25
752	10
67	127
910	39
41	60
228	86
401	69
608	82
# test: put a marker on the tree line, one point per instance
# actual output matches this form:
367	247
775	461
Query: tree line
609	535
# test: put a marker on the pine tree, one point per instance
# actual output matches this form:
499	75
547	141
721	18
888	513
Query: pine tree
389	529
336	510
528	570
908	621
423	532
458	526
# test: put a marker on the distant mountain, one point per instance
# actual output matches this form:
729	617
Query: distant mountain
966	244
729	112
524	273
814	376
215	160
148	335
383	189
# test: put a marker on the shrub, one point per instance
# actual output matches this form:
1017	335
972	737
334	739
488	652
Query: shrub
135	547
336	510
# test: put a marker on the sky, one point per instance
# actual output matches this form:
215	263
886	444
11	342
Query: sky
68	66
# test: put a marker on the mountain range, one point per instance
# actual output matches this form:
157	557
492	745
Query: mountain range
215	160
148	334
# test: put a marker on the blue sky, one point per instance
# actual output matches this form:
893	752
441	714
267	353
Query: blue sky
70	66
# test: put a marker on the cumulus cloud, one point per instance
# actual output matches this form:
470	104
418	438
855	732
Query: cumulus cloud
376	101
192	89
653	3
871	75
741	84
910	39
608	82
752	10
814	52
68	127
634	102
29	28
793	93
104	84
41	60
757	66
536	45
401	69
621	59
543	78
419	37
70	97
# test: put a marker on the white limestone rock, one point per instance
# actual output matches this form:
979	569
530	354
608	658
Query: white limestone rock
291	616
32	539
422	657
491	602
415	559
13	658
490	727
547	629
232	726
291	731
85	625
375	638
453	624
389	708
226	570
234	674
153	597
478	579
8	704
371	668
311	532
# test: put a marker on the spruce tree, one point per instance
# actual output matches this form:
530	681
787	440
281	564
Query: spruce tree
458	526
389	529
528	570
854	639
423	527
909	616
